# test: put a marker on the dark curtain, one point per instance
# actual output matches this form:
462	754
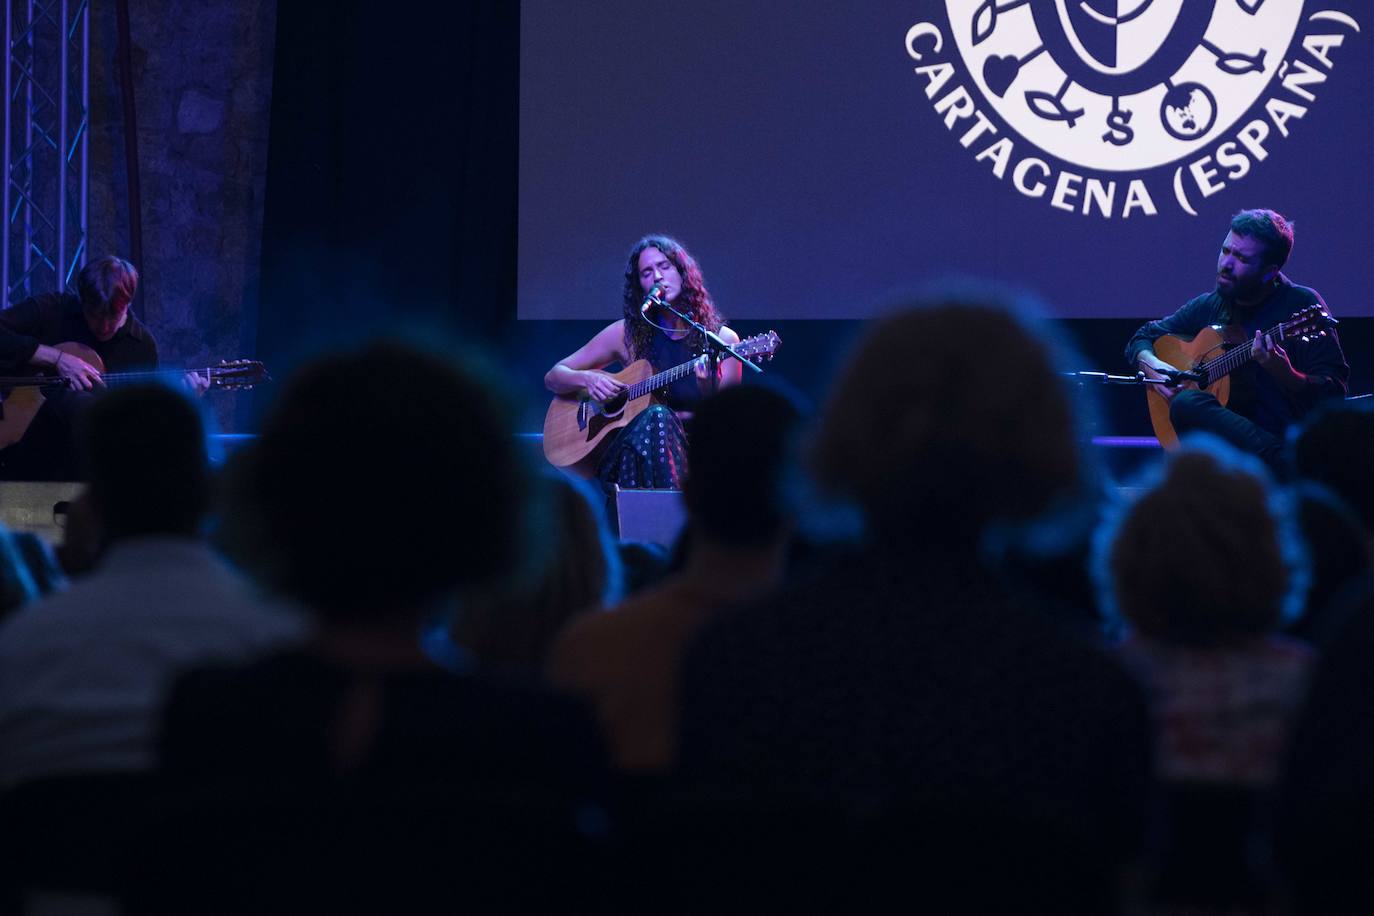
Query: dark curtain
391	176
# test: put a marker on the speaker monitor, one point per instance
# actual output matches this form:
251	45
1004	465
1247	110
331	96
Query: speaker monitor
655	516
30	505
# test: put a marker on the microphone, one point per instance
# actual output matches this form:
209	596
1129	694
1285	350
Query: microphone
654	297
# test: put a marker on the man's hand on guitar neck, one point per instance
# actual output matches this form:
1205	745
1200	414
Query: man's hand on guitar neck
197	382
1274	359
80	375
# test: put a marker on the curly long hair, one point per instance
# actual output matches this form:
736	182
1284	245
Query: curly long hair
694	295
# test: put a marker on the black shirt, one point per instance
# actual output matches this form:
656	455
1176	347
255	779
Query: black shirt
54	318
275	724
1255	394
914	675
666	353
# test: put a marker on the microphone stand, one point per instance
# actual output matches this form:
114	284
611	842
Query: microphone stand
718	348
1137	379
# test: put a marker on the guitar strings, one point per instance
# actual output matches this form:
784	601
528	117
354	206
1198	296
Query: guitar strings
639	389
1238	355
43	381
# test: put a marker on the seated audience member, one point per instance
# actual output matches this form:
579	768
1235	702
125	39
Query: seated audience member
384	488
1204	567
84	671
1340	554
513	629
626	660
909	676
1326	789
1331	449
1203	571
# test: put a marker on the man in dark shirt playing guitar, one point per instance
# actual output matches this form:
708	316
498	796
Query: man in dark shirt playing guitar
67	335
1281	354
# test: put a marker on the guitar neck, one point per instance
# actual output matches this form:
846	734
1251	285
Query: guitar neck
1235	357
663	379
110	379
751	349
154	375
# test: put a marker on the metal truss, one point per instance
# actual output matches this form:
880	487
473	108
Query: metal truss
46	150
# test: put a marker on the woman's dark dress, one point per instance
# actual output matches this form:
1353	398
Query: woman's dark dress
651	453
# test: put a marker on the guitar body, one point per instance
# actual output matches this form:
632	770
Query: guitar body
20	405
1188	354
576	427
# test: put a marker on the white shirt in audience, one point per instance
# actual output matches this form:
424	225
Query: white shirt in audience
83	672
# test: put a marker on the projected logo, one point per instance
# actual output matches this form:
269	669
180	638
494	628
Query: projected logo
1122	84
1123	87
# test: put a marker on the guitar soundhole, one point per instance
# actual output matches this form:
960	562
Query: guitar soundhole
615	405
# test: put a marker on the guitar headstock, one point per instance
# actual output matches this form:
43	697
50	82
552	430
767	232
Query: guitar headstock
1309	323
238	374
760	347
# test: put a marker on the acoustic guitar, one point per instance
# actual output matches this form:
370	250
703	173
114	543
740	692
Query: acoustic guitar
20	397
576	426
1217	351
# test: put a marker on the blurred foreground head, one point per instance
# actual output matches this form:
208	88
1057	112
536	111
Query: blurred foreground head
1331	448
384	479
739	454
1207	557
145	457
576	569
948	416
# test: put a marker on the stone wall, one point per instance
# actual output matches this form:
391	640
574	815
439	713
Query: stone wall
202	75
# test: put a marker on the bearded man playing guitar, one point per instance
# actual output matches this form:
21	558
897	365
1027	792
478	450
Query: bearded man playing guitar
1283	355
97	317
651	452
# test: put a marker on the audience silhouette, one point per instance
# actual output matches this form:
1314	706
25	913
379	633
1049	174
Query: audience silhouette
578	569
1204	567
437	669
84	672
362	702
627	660
385	488
907	677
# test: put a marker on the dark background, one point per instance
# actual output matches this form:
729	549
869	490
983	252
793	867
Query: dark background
392	200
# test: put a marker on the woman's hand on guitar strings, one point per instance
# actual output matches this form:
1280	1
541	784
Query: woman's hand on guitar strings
601	386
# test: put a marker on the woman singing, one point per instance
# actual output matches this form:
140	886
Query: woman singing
651	452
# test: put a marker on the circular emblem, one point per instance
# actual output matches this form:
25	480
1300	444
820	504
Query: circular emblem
1122	85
